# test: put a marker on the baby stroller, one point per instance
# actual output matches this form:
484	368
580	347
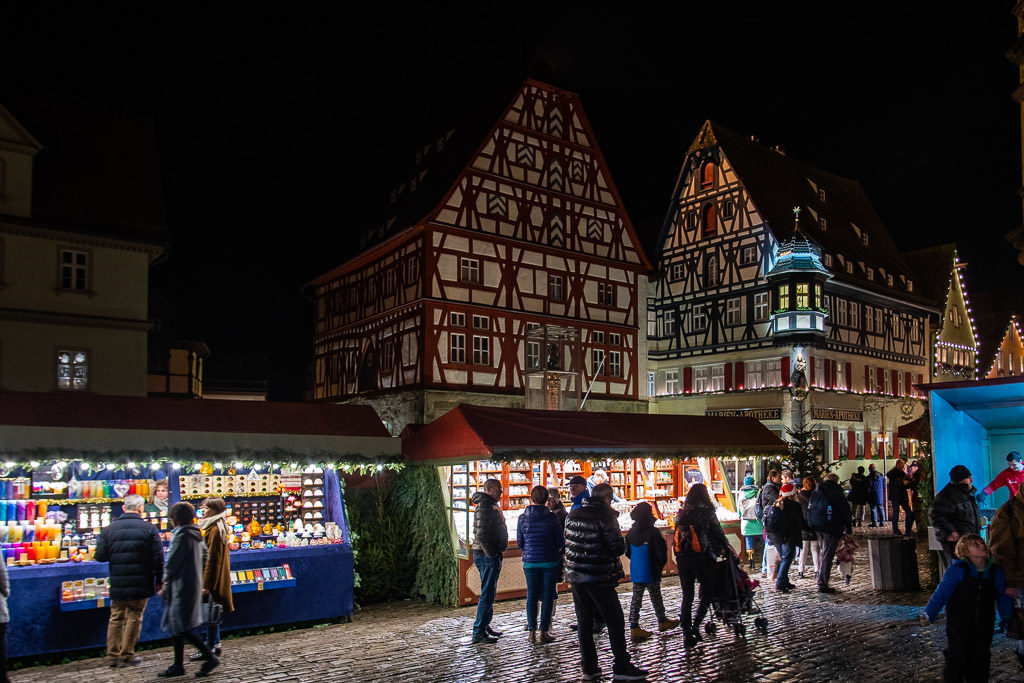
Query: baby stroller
731	593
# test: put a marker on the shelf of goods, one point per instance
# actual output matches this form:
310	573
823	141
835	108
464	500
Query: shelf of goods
282	538
663	483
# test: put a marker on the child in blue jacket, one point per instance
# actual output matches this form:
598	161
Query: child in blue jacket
647	553
971	590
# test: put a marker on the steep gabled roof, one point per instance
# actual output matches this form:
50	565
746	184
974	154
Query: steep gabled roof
993	312
430	174
777	183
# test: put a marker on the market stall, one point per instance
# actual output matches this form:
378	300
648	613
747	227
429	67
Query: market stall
69	461
653	458
976	423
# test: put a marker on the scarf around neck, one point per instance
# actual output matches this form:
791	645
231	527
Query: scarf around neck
219	520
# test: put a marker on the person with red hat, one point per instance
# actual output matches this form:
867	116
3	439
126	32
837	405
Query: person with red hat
784	523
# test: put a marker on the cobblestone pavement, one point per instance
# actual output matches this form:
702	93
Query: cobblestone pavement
858	634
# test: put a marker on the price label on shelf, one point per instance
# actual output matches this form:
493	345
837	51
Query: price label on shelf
99	602
259	585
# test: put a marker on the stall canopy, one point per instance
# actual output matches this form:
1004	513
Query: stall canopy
474	433
30	422
975	423
919	429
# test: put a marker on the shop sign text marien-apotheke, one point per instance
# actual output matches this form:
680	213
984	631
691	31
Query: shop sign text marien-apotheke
837	414
756	413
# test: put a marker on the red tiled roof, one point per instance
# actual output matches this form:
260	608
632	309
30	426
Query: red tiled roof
475	432
138	413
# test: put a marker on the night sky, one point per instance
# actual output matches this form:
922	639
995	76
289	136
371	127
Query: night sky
265	139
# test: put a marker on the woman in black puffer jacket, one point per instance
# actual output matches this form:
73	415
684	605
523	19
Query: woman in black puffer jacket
697	519
593	544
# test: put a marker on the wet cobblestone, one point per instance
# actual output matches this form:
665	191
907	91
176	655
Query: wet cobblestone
858	634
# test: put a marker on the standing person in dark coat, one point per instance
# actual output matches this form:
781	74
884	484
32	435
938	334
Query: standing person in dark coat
554	503
647	553
899	490
784	526
183	591
132	547
769	494
858	495
578	491
828	513
489	542
972	590
697	520
217	574
954	511
593	545
875	495
541	538
809	539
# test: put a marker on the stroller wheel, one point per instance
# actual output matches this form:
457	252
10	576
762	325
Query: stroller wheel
740	629
761	624
711	628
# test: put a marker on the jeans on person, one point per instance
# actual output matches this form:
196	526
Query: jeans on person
124	627
750	542
489	568
654	589
764	557
787	551
828	544
688	574
540	587
908	524
810	547
600	601
876	514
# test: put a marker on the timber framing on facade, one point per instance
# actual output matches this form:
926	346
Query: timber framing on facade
526	230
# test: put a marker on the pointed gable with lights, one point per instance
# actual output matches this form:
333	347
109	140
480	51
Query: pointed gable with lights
503	227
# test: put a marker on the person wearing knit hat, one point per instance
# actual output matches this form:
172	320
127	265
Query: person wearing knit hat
1012	477
750	525
647	553
784	523
954	511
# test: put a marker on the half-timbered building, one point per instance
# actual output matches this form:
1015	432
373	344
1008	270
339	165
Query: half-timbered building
720	335
505	273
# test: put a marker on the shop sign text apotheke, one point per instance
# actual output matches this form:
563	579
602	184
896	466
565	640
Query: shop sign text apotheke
837	414
756	413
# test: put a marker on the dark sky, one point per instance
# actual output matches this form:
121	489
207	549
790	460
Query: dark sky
278	128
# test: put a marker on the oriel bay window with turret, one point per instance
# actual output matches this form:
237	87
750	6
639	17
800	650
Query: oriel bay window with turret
798	280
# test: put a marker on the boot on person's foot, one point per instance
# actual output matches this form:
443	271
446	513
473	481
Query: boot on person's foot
545	638
637	634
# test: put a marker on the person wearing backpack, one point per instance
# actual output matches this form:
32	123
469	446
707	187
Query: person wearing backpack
783	522
647	553
698	540
809	537
750	523
828	514
769	494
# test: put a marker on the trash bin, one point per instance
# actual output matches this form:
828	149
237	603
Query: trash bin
894	563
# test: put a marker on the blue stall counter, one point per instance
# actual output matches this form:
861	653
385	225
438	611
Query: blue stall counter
321	587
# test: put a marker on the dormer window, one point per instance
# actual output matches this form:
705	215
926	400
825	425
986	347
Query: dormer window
826	260
849	267
910	285
707	176
889	279
822	195
823	223
870	273
867	241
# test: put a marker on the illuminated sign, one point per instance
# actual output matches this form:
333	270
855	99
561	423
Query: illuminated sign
837	414
756	413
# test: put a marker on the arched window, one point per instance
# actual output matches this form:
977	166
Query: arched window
707	176
710	227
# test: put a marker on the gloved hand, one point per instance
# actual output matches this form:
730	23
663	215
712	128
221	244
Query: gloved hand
981	497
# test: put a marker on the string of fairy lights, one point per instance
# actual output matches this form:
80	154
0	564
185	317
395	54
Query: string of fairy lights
968	370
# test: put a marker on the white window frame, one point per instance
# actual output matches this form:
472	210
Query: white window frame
457	319
678	272
614	368
842	316
457	348
734	311
717	381
700	380
668	322
481	350
773	372
753	372
672	382
74	270
532	355
699	318
748	255
556	288
469	270
761	306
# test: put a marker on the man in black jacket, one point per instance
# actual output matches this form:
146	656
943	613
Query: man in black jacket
132	547
954	511
593	545
769	494
828	514
490	540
